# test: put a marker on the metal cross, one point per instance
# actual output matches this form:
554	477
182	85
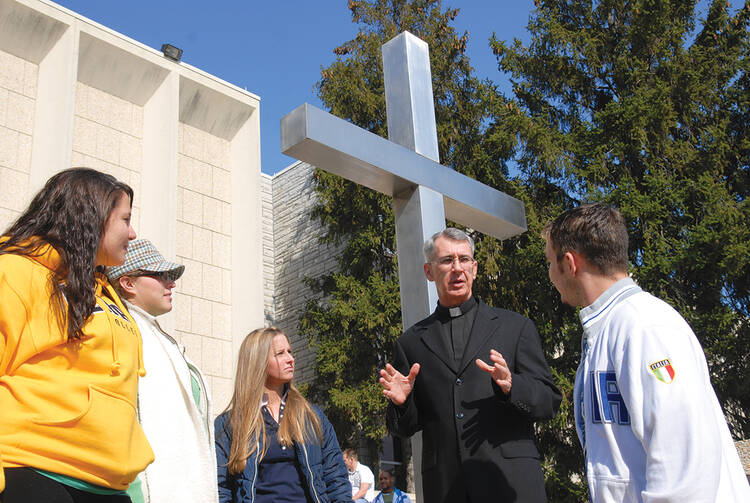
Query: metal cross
406	167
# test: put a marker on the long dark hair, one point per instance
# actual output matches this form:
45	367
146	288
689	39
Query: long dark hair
70	213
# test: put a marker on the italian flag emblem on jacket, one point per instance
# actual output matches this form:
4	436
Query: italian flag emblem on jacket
663	370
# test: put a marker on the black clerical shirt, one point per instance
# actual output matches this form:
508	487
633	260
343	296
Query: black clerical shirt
456	323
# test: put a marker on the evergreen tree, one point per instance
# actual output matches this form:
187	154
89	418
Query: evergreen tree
630	103
633	102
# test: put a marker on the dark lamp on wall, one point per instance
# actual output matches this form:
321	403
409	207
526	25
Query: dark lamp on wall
171	52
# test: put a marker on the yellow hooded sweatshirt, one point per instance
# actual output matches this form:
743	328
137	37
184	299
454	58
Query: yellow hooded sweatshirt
67	407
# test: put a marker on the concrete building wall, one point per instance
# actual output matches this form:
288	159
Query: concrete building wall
204	229
18	82
269	308
298	253
75	93
108	136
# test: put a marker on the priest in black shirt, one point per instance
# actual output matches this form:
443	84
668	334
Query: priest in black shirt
473	379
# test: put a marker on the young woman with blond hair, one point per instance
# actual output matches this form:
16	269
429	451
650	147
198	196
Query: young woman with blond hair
271	444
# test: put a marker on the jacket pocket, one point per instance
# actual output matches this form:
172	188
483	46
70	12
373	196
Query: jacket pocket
612	489
429	460
523	448
104	439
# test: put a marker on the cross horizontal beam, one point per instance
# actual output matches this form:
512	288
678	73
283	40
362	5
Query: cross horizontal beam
337	146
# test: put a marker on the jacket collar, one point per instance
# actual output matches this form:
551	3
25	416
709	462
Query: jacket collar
137	310
264	400
484	327
593	314
445	313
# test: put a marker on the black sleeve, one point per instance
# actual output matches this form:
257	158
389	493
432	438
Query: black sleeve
533	389
402	420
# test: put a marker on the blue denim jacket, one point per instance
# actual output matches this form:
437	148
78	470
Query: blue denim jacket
322	465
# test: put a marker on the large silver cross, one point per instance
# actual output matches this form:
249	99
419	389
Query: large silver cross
406	167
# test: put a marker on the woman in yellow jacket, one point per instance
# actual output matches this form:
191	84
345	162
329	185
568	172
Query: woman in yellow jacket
70	354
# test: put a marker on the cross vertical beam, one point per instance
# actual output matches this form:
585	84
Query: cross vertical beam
419	212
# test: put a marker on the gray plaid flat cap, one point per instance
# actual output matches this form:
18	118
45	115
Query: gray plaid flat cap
143	256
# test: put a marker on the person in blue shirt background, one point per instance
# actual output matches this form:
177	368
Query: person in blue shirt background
388	491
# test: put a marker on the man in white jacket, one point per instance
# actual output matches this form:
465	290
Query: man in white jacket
647	416
174	404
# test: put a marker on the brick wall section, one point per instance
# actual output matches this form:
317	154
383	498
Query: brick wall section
18	87
202	299
298	253
743	449
266	190
108	136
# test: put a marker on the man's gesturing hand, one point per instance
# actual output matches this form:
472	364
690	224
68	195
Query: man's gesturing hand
499	371
396	386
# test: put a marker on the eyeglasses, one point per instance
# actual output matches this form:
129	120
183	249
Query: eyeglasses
165	276
464	261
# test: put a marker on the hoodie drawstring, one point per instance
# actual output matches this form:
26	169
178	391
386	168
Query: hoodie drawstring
115	367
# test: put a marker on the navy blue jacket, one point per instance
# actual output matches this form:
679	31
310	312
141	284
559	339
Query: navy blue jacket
323	467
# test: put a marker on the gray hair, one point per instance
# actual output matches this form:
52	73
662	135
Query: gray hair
428	250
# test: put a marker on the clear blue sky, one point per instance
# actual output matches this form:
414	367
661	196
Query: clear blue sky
275	49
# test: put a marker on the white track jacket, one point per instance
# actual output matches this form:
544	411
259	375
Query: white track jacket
180	432
649	421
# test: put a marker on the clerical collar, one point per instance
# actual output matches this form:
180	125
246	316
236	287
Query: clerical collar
455	312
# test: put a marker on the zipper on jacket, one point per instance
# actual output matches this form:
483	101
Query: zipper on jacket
255	472
204	394
192	371
145	493
312	477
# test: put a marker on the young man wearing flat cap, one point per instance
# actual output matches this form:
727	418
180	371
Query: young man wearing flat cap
174	405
